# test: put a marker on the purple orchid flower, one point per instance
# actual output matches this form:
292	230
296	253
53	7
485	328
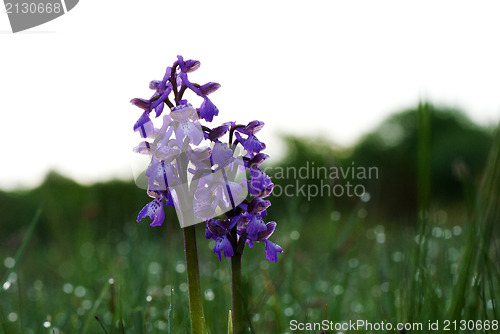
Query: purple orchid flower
154	210
193	168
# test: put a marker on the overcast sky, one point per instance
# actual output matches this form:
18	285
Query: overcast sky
315	68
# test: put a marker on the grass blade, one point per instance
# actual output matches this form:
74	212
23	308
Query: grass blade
229	323
24	244
102	325
93	311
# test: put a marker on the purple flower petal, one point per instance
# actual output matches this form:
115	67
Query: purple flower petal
255	226
154	84
189	65
221	154
141	103
184	79
272	251
154	210
192	65
223	244
258	205
251	144
219	131
209	88
144	125
270	227
208	110
210	230
144	147
260	185
253	127
257	160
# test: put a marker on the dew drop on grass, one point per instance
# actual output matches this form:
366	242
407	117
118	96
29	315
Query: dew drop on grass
80	291
46	324
353	263
322	285
365	197
335	216
167	290
437	232
6	285
162	325
457	230
219	274
356	307
68	288
338	289
149	299
180	267
9	262
398	256
154	268
12	316
209	295
86	304
38	285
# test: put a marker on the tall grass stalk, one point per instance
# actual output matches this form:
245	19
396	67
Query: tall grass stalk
193	276
236	293
423	192
478	274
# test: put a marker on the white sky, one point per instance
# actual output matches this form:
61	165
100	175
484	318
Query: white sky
311	68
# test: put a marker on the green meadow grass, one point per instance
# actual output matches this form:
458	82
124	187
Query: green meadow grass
124	277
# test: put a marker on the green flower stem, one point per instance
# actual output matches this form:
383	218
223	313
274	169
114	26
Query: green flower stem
236	293
193	277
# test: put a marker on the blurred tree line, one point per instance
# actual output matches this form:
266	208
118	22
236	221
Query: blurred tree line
457	145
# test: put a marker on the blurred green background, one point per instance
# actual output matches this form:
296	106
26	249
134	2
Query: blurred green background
420	246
